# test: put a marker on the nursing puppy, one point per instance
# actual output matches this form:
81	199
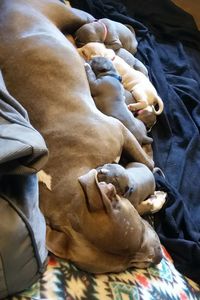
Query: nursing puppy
113	34
108	94
86	220
134	81
136	183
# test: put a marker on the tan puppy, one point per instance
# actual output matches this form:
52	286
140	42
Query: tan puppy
113	34
134	81
87	222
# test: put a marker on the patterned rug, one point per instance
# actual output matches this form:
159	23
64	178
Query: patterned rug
63	281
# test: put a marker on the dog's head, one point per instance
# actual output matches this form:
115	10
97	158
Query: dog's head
91	50
106	234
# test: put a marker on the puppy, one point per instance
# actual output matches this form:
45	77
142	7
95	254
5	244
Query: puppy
134	81
113	34
132	61
108	94
136	183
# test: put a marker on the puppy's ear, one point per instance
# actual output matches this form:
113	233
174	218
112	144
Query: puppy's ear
99	195
57	242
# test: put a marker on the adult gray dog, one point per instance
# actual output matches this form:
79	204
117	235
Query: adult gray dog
87	222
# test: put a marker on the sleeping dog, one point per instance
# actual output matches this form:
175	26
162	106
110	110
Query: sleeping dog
113	34
134	81
108	94
87	222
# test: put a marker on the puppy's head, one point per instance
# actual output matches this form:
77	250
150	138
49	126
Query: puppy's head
148	117
91	50
102	65
115	174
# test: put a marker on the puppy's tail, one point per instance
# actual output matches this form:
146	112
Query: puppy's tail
160	105
159	171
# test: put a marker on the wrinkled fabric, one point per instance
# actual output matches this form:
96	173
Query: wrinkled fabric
23	153
169	45
22	148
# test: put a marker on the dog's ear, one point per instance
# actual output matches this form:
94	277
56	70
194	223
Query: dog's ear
90	187
57	242
99	195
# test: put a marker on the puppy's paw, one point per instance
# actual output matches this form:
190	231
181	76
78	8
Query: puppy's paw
87	66
132	107
153	204
158	199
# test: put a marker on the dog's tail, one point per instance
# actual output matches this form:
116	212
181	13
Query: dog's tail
160	105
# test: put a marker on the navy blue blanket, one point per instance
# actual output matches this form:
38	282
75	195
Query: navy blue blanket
169	45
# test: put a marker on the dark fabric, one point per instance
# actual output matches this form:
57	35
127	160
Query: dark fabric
168	46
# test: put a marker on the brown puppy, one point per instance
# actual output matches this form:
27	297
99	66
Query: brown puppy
87	222
134	81
108	94
113	34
